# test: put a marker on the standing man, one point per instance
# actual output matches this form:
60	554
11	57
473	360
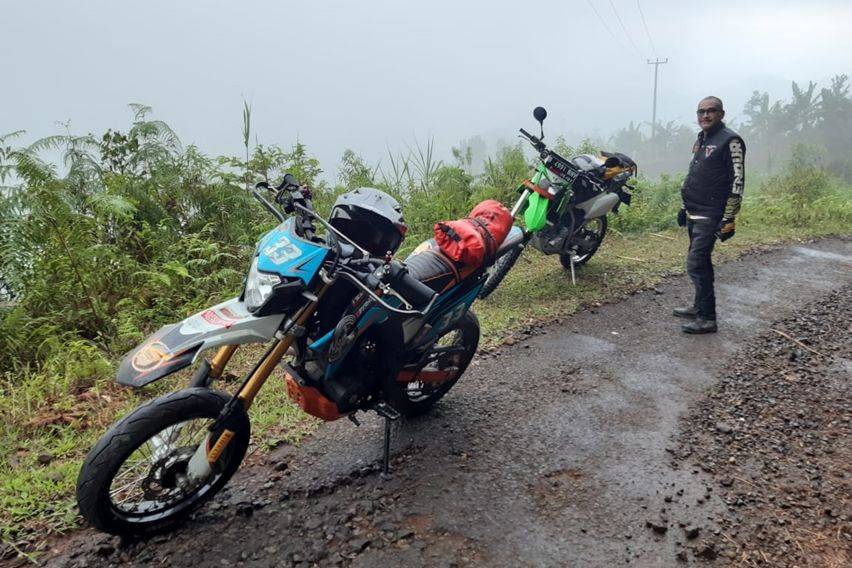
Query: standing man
712	192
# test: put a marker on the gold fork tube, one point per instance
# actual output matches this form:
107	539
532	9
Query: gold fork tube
250	389
220	360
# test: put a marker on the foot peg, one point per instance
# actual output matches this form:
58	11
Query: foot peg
387	411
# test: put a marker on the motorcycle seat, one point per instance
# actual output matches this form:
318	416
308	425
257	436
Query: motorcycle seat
428	264
435	269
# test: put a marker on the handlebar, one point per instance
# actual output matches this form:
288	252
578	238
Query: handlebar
263	201
410	288
290	195
296	199
534	140
367	281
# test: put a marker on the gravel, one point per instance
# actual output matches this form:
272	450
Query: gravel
784	471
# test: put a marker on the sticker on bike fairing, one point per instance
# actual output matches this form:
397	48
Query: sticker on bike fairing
341	340
362	302
149	357
210	320
282	250
214	319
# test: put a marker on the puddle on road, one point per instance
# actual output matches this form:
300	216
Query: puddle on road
580	347
824	255
742	321
742	294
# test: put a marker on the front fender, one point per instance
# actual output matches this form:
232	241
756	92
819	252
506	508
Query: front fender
176	346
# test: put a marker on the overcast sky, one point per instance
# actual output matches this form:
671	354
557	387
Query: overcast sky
374	74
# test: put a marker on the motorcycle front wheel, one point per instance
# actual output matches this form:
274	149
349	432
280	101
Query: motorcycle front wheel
594	229
134	481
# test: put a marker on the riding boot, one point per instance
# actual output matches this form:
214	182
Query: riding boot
686	313
700	325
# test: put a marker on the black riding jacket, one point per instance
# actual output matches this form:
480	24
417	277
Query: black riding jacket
714	185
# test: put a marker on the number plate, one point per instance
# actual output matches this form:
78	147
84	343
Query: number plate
562	168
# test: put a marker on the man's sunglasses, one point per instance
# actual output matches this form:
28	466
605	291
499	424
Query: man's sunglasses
701	111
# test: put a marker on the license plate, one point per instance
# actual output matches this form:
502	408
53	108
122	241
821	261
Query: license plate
562	168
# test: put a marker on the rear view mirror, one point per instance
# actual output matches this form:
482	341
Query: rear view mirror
540	114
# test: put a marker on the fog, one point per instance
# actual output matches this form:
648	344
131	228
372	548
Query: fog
378	75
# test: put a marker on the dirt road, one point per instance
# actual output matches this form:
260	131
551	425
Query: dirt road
566	448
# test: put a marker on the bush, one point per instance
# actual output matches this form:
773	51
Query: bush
804	195
654	206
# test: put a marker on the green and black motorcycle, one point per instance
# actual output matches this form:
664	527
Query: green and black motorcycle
565	204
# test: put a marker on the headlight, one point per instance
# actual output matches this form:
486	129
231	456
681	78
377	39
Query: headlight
259	286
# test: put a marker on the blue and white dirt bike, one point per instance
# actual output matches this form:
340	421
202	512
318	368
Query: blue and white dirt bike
360	332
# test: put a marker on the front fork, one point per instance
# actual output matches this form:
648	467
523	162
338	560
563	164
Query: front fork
209	371
222	430
526	192
520	202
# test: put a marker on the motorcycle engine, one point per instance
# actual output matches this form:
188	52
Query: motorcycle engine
358	376
550	239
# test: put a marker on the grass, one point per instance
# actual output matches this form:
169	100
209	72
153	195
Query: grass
51	417
46	433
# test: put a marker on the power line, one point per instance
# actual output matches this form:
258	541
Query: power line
618	41
645	25
617	17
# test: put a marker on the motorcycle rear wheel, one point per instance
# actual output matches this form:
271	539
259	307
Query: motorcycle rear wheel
598	228
415	398
134	482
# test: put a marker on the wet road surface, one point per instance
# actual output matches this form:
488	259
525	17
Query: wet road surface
554	451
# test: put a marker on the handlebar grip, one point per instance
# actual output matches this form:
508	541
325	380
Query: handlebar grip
413	290
288	181
534	140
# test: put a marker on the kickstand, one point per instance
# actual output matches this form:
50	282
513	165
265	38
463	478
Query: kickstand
386	458
390	414
573	280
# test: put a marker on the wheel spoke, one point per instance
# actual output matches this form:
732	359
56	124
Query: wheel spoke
447	351
126	486
129	471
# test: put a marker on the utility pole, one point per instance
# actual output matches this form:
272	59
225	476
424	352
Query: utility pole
656	65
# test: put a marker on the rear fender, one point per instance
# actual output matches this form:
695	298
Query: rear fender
515	238
176	346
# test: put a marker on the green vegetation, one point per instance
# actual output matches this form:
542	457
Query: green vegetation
132	230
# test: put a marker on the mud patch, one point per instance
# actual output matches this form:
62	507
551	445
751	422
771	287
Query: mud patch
562	488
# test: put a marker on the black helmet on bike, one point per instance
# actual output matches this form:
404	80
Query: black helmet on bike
371	218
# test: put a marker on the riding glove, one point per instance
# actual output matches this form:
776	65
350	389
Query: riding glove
681	218
727	228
